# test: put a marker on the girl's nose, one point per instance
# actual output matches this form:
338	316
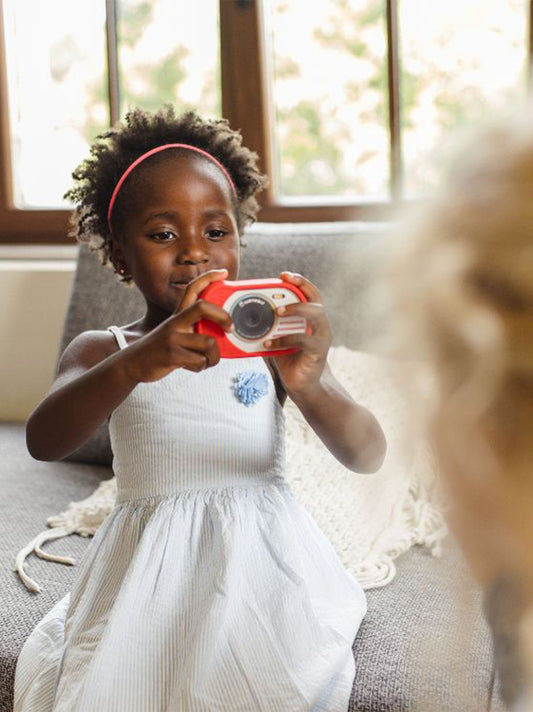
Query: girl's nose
192	251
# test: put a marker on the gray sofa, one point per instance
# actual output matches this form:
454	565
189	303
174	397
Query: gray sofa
414	651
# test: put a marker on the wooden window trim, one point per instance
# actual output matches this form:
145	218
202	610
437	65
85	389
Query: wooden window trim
245	103
16	225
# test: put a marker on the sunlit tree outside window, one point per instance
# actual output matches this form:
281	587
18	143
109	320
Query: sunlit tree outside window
460	61
330	98
328	83
168	56
56	80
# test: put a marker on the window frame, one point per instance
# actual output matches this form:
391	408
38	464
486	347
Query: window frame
246	104
21	225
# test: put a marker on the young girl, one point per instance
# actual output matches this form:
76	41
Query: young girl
207	587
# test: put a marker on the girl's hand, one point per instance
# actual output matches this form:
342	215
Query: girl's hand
174	344
349	431
300	372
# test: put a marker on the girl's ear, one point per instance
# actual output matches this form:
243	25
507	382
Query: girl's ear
117	257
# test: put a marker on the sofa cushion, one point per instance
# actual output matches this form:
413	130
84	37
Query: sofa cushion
31	492
415	649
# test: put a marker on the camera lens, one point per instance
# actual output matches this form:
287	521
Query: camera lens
253	317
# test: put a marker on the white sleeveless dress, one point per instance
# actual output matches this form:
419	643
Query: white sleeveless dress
208	588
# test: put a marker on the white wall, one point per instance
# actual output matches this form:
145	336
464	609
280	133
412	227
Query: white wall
33	301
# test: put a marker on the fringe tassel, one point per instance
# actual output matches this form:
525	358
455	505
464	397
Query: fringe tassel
82	518
35	545
425	525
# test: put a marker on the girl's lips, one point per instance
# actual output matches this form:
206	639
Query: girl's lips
180	285
183	283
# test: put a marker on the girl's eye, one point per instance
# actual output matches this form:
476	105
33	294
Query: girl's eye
216	234
163	236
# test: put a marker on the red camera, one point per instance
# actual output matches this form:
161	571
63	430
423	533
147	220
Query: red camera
252	305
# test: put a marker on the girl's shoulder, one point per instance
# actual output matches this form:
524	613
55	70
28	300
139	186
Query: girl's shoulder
88	349
91	347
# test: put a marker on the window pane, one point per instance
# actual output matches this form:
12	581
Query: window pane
330	98
459	59
169	52
56	78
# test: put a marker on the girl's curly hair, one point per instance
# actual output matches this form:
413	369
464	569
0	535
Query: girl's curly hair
114	150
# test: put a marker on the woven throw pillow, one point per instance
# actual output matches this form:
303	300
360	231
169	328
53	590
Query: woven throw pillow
369	518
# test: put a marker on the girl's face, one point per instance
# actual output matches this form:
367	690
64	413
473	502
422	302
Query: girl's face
179	224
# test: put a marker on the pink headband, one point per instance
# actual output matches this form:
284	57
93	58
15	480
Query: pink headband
151	153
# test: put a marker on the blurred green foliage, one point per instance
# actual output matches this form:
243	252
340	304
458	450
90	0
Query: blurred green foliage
312	136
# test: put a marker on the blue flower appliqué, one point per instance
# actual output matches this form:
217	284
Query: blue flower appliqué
250	386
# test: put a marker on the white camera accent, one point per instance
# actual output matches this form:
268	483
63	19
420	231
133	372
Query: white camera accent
258	307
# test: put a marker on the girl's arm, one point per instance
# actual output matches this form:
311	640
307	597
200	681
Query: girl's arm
94	377
348	430
92	381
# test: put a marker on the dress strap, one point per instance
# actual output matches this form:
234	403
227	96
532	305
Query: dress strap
119	336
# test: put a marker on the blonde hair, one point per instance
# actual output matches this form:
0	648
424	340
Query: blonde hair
461	278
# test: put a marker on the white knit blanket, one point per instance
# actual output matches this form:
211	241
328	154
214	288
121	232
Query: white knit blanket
369	519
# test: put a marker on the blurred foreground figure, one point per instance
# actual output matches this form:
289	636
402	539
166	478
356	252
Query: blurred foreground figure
461	276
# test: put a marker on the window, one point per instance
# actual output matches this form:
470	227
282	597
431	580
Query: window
346	105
